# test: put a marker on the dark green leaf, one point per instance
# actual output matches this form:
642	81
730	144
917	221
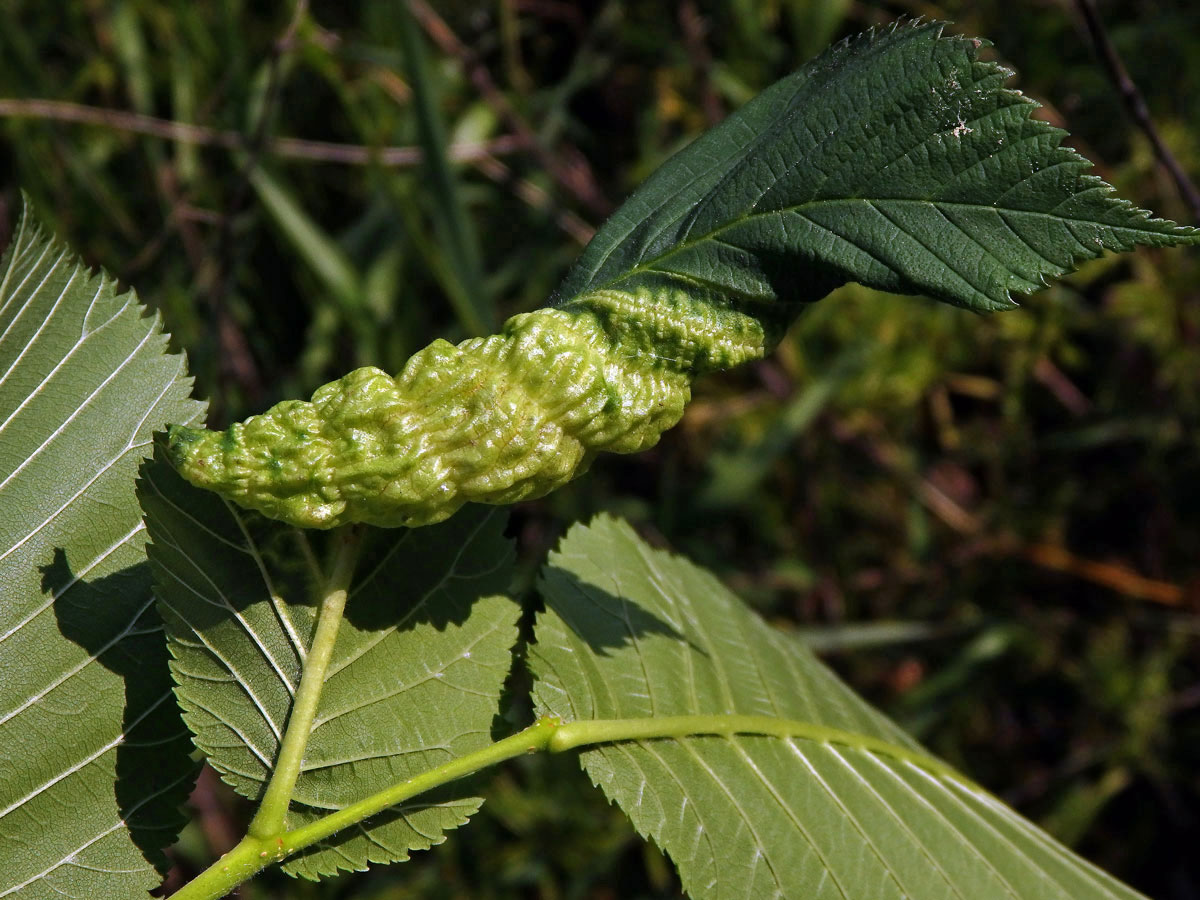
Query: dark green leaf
897	159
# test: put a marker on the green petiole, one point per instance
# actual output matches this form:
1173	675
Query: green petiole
258	849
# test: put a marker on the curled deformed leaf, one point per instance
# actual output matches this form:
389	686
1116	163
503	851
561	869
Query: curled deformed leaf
897	159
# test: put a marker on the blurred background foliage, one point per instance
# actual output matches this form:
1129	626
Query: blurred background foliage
988	525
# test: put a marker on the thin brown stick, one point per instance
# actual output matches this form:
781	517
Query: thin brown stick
571	170
1064	390
1114	576
890	457
1135	103
482	154
284	147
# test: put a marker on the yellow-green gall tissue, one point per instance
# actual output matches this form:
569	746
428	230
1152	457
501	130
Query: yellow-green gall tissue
491	420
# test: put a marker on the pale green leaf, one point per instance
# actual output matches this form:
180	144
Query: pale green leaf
633	632
95	760
897	159
415	677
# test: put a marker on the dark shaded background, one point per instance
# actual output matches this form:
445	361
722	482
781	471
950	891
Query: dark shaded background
988	525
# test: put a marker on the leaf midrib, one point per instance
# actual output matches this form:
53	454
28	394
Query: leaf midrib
652	265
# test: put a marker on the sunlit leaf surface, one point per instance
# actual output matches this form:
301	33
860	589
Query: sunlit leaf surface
415	677
93	757
630	631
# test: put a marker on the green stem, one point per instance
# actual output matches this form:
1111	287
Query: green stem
547	734
534	738
252	854
606	731
269	819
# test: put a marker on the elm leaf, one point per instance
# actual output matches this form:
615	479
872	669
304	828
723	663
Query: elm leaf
897	159
862	811
415	677
95	757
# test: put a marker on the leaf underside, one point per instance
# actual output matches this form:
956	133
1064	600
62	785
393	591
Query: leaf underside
415	677
95	757
897	159
632	632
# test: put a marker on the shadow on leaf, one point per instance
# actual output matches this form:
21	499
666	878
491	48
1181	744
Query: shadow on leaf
601	619
114	620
